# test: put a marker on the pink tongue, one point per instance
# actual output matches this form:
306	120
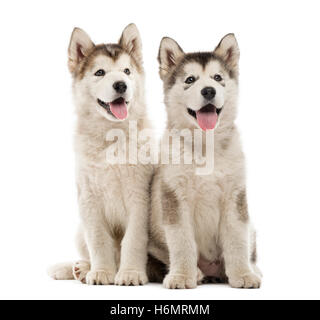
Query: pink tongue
119	109
207	120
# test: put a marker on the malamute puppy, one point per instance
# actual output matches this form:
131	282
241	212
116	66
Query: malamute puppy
108	91
199	223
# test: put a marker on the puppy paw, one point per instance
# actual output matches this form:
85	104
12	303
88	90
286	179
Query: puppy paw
131	277
98	277
179	281
248	280
80	270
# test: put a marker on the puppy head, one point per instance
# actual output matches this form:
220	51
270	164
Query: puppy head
107	77
198	85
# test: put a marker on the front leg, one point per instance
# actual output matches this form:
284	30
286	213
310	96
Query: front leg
183	272
235	241
100	244
133	259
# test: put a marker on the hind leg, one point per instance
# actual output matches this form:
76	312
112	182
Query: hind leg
65	271
80	270
81	244
81	267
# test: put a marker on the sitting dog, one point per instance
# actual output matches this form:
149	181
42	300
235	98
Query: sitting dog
199	224
108	89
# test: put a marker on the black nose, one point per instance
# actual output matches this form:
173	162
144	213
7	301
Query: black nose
120	86
208	93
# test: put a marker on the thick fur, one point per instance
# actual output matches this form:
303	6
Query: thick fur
113	199
202	220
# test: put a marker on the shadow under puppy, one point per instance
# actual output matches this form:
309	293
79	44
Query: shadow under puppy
199	223
108	89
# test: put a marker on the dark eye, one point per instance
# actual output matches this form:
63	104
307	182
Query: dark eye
217	77
100	73
190	80
126	71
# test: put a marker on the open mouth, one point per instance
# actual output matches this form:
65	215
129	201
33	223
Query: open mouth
117	108
207	116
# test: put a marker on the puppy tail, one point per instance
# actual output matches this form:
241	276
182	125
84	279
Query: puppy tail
61	271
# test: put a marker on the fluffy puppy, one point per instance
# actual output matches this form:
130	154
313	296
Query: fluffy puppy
199	223
108	89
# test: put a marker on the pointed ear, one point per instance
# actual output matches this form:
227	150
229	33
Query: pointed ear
79	47
130	41
169	54
228	51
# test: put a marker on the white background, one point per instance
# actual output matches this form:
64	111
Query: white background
279	116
